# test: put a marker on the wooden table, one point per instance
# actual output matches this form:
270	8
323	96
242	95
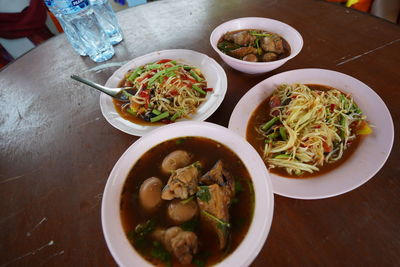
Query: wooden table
57	150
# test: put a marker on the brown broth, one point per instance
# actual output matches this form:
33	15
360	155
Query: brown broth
261	115
208	152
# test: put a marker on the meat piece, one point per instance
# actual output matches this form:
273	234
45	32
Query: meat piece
182	244
219	175
243	38
243	51
270	56
215	210
250	57
174	160
272	43
182	183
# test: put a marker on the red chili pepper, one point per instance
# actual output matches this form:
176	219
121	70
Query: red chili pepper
174	93
164	61
333	107
317	126
166	121
208	89
145	94
326	147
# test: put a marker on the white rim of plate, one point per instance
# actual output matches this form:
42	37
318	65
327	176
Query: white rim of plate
248	249
367	159
212	71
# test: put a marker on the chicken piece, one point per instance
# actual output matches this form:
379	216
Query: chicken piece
243	38
214	207
243	51
219	175
270	56
182	244
182	183
251	58
272	43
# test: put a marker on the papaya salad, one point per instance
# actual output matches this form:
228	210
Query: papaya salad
309	127
162	91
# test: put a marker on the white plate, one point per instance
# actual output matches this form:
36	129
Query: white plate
245	253
367	159
212	71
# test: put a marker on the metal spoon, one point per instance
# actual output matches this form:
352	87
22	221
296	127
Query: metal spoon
117	93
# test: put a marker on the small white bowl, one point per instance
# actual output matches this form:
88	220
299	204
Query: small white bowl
124	253
292	36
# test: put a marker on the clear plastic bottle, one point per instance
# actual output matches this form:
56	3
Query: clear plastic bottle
72	36
80	23
106	16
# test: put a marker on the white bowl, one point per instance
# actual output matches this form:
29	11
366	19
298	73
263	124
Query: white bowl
212	71
122	250
366	160
292	36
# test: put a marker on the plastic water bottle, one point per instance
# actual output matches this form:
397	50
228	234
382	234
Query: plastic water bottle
72	36
106	16
87	34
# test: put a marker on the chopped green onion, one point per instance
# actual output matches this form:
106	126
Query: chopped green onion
261	34
160	117
282	132
156	112
195	76
269	124
175	116
198	89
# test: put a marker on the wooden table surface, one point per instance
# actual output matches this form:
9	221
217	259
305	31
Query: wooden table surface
57	150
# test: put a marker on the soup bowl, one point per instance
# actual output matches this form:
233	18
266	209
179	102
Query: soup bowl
291	35
117	242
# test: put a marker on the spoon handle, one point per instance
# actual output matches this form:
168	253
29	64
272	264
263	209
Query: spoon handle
109	91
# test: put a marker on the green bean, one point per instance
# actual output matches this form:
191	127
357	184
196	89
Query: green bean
156	112
131	111
282	156
282	132
175	116
269	124
160	117
135	74
195	76
198	89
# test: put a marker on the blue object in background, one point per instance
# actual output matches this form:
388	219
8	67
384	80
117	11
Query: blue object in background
136	2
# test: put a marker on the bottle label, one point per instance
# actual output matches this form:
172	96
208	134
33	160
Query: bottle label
66	6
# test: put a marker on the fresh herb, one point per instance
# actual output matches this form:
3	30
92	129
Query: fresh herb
190	225
160	253
180	141
144	229
260	34
234	200
238	187
200	260
259	51
185	201
203	193
220	223
227	46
